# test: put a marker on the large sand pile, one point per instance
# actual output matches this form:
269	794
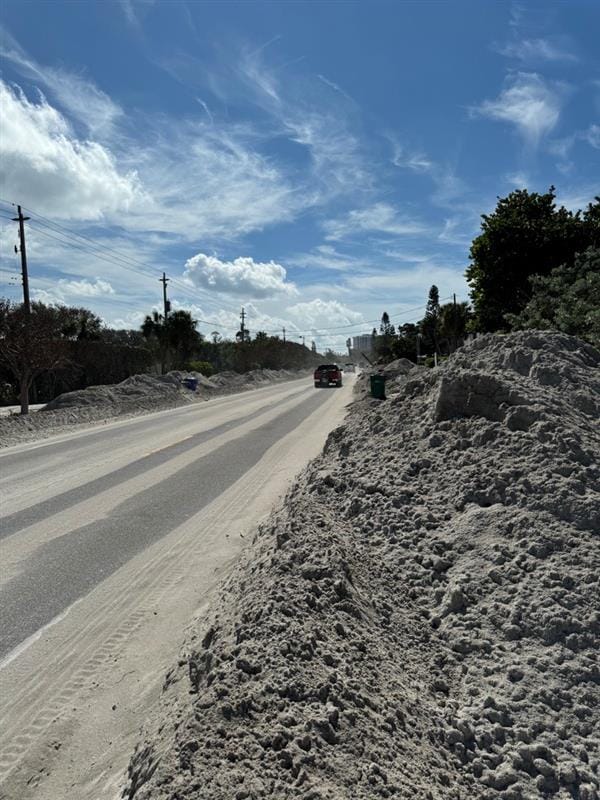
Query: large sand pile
421	619
135	395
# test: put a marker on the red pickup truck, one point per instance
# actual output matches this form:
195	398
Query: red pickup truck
328	374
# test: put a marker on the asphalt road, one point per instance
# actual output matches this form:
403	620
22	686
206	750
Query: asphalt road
111	540
59	571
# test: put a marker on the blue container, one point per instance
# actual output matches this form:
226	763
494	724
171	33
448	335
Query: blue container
191	383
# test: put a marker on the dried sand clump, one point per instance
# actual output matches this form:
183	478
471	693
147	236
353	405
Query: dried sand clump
421	618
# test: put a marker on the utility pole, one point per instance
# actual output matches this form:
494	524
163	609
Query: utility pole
242	326
166	304
283	329
454	296
418	348
22	249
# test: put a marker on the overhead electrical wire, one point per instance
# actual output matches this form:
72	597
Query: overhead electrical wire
79	241
118	254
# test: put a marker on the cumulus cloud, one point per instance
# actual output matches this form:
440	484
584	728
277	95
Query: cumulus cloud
535	50
45	166
86	288
319	314
68	291
378	218
530	103
242	277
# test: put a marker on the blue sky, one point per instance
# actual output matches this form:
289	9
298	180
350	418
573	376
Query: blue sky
316	162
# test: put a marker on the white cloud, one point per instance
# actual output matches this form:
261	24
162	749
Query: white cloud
79	97
325	256
45	166
223	187
131	8
535	50
67	292
457	231
448	186
410	286
592	136
416	161
529	103
243	276
519	180
577	198
307	114
321	314
380	218
334	86
86	288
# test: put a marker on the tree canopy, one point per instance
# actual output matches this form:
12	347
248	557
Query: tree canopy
526	235
567	300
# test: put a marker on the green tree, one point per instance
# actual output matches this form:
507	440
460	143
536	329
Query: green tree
174	339
79	324
429	324
567	300
405	344
183	338
155	333
526	235
452	325
31	344
382	344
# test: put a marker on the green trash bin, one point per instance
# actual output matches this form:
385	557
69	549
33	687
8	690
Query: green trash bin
378	387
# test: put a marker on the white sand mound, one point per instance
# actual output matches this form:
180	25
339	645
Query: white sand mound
135	395
421	620
155	388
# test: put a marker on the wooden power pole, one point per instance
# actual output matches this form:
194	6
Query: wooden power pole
23	250
166	304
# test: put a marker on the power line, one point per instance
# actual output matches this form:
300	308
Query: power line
68	237
118	257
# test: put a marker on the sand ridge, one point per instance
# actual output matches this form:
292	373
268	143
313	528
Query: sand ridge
421	618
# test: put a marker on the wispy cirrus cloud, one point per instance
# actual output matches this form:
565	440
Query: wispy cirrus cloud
528	102
79	97
448	185
377	218
134	9
411	286
592	136
325	257
417	161
535	50
304	113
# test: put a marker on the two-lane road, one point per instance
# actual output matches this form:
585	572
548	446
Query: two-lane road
111	539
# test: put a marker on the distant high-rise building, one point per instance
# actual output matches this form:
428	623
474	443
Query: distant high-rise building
363	343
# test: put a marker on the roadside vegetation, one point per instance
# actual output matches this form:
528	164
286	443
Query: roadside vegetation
56	349
535	265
